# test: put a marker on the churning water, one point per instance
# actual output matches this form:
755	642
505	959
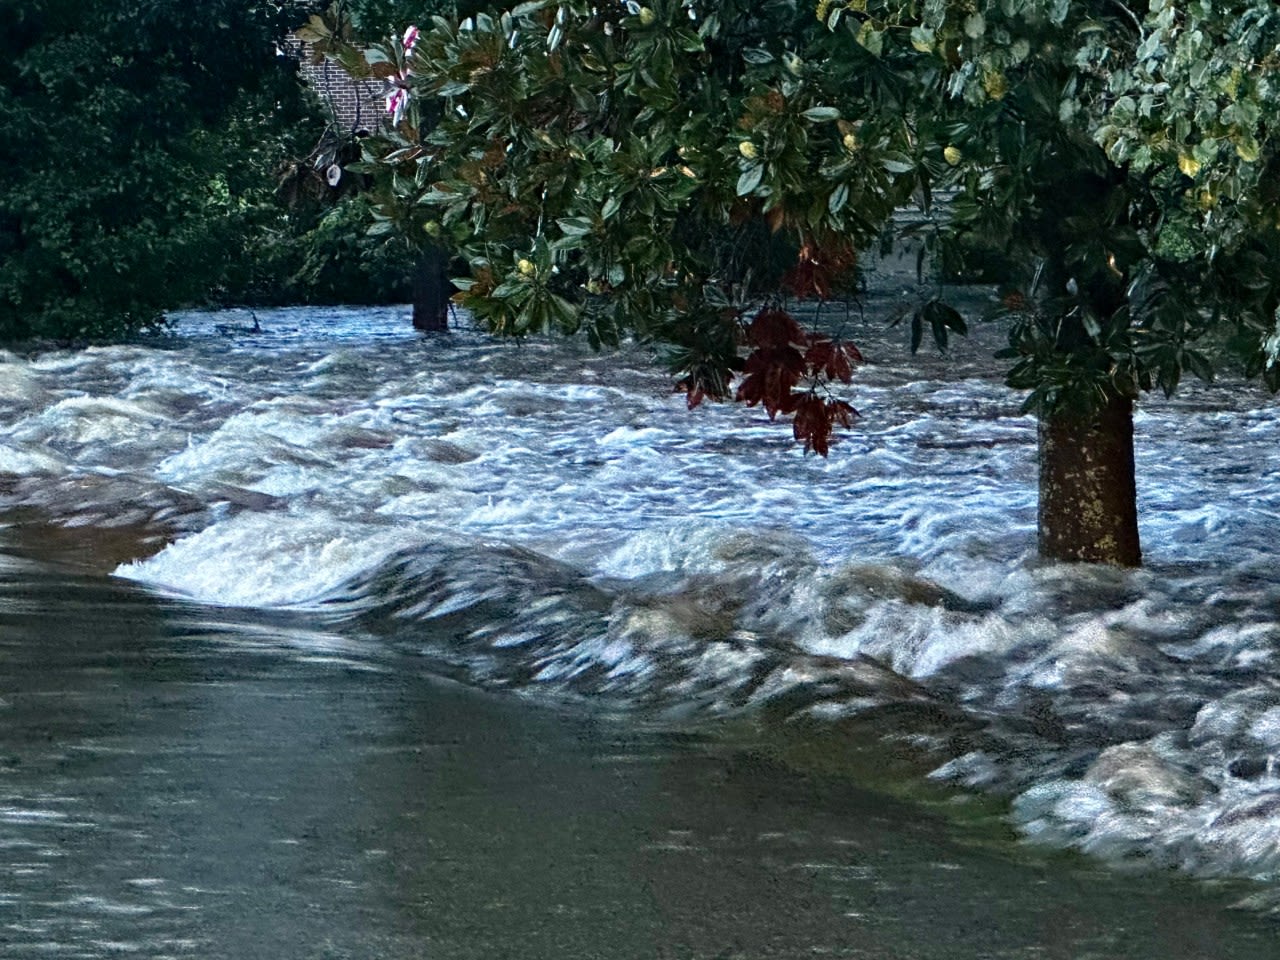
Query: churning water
538	519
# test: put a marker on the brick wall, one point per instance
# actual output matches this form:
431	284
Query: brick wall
358	106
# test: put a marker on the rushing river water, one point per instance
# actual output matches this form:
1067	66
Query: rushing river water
265	600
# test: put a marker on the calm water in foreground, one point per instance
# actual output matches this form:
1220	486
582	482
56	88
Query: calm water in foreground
334	642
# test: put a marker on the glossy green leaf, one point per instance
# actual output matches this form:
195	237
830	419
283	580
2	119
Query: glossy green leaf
749	179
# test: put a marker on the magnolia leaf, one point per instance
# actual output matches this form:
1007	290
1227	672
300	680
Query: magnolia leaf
576	226
898	163
1198	364
1151	47
822	113
839	197
922	39
314	30
750	179
1247	148
871	38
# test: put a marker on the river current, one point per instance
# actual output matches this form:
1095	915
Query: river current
538	520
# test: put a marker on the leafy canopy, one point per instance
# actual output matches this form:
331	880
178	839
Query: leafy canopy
659	169
642	170
1124	157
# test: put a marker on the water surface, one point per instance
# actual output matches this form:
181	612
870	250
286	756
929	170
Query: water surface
283	562
178	781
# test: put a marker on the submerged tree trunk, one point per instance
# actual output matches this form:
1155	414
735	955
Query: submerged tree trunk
1088	501
431	290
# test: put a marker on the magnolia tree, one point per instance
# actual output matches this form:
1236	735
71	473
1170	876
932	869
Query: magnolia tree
670	171
643	171
1123	157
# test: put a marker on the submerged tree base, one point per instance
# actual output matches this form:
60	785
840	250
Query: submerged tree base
431	291
1088	500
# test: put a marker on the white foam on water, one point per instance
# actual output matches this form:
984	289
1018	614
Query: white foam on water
86	420
27	460
628	547
19	387
271	559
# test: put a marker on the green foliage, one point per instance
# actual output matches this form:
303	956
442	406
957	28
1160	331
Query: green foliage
373	20
315	250
132	139
341	263
1122	160
632	168
601	167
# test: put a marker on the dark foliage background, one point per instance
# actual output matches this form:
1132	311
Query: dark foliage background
138	139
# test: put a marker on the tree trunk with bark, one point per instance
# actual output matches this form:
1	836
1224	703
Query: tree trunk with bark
1088	501
431	291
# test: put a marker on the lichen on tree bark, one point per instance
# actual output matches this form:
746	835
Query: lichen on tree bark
1088	503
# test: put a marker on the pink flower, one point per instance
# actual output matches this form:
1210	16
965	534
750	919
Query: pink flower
398	98
397	101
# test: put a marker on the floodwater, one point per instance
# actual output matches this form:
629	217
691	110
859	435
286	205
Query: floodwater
334	641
